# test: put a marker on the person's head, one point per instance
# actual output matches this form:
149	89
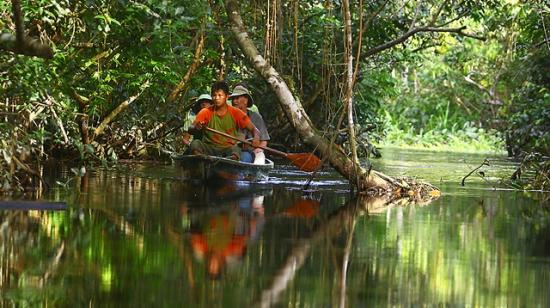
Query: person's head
220	93
203	101
241	98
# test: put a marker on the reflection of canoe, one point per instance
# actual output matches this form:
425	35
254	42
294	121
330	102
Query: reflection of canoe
205	167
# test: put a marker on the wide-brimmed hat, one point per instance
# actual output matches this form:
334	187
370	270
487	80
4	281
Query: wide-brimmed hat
204	97
197	104
240	91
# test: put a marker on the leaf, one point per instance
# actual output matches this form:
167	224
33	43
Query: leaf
7	156
89	149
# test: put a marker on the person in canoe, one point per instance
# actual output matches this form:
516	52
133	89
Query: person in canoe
224	118
241	98
203	101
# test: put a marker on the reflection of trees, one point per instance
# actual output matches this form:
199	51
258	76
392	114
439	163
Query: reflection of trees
120	227
116	243
19	247
464	252
341	221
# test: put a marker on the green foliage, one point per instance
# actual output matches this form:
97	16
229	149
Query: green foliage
104	52
461	84
15	148
533	173
372	92
435	107
527	114
467	138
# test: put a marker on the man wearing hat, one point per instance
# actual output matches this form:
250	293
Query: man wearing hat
241	98
203	101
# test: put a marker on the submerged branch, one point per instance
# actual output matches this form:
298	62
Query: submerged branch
484	163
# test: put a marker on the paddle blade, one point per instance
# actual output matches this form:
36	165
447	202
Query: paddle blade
305	161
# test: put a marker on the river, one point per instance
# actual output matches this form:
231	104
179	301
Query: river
138	235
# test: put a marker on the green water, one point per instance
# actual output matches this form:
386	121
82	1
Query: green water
140	236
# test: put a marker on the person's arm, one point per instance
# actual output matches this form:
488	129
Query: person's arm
263	144
251	128
201	120
260	124
196	127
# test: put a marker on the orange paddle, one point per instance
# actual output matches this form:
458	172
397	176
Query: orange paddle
304	161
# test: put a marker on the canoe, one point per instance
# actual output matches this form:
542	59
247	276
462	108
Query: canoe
214	168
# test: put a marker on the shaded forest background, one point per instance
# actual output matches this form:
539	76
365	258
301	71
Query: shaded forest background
451	74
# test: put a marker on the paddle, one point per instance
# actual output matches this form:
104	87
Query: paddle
304	161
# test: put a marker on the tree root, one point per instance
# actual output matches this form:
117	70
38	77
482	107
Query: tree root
404	191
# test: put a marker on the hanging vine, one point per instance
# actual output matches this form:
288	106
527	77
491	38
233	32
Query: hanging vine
297	67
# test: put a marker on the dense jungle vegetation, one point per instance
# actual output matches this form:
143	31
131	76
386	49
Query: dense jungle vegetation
451	75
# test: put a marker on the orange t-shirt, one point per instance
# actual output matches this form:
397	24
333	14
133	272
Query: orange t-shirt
233	120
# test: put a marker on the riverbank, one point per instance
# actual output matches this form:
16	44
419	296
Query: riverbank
466	140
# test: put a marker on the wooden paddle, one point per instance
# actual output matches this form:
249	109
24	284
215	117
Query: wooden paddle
304	161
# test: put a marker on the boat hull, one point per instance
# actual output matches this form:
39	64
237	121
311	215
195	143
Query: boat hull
213	168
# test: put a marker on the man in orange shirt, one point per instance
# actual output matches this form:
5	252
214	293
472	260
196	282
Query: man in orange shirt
224	118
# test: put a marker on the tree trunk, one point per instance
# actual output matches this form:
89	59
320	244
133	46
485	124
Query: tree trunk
83	105
192	69
348	90
296	113
120	108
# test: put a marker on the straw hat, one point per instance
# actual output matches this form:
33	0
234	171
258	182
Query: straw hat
240	91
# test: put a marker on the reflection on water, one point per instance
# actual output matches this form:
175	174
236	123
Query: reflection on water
140	236
219	236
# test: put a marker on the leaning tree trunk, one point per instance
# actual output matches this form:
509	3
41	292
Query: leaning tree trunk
297	115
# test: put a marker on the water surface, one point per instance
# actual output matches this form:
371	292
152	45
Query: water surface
139	235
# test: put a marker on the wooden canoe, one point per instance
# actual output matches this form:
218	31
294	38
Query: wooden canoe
214	168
